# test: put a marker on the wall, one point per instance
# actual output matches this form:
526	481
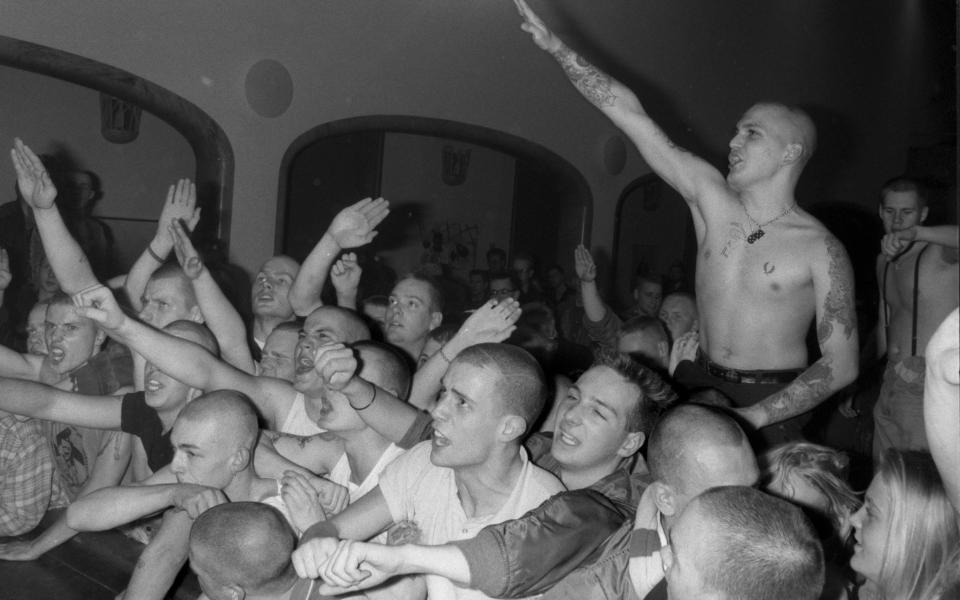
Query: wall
60	118
475	214
698	64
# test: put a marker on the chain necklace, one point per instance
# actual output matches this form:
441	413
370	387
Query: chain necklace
758	231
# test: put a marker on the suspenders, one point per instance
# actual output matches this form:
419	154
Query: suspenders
916	294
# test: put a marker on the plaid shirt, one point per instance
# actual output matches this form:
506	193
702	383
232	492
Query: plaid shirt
29	483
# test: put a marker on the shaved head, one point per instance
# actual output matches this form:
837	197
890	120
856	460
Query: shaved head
689	439
345	325
798	127
232	411
196	333
245	545
520	387
383	365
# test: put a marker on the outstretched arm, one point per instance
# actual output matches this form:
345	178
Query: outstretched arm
67	259
941	403
353	226
593	305
162	559
180	205
40	401
183	360
220	316
492	322
836	334
686	173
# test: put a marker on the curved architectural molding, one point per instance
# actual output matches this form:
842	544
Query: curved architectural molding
214	155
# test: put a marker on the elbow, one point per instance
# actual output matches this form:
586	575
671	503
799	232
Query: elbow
75	518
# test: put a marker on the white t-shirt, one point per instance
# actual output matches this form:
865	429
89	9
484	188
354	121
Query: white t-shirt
297	421
417	490
340	473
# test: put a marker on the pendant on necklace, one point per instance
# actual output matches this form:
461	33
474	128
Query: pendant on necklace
756	235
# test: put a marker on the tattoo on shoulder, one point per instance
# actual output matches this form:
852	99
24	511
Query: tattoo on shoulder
805	392
593	83
838	306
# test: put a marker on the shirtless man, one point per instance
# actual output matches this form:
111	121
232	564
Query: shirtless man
765	266
918	275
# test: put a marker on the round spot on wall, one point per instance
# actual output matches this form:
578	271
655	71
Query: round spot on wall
614	155
269	88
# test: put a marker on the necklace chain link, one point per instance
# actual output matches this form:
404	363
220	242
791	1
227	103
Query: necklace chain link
758	231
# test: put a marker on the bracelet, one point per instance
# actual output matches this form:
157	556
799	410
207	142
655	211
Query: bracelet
444	356
368	404
155	256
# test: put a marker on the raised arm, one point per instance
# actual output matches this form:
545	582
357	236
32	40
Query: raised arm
686	173
941	403
353	226
345	276
180	206
586	269
836	335
218	313
161	560
183	360
492	322
67	259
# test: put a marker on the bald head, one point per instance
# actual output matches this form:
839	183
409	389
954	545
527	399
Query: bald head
196	333
747	544
232	412
796	126
244	545
691	442
520	385
383	365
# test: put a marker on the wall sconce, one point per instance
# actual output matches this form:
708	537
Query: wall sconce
455	165
119	120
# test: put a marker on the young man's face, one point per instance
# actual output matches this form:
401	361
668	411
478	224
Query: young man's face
409	315
523	269
202	453
71	339
323	326
165	301
272	286
679	314
901	210
757	149
648	295
592	420
467	416
278	353
501	289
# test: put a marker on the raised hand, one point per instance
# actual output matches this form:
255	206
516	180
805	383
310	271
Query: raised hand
34	182
345	273
97	303
187	255
5	275
583	264
308	558
684	348
180	205
302	500
538	31
336	364
493	322
355	225
358	565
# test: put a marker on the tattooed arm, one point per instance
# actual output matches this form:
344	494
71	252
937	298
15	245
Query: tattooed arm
836	334
688	174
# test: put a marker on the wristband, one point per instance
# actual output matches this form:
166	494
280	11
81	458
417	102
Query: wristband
154	255
368	404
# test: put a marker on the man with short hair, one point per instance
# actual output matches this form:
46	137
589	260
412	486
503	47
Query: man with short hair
737	543
242	550
918	271
504	285
496	260
473	473
602	424
526	271
277	358
416	307
647	294
269	295
679	312
645	339
213	439
765	268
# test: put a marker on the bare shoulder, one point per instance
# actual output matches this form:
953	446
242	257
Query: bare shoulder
822	247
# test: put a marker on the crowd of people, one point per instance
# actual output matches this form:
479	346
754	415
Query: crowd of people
526	440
